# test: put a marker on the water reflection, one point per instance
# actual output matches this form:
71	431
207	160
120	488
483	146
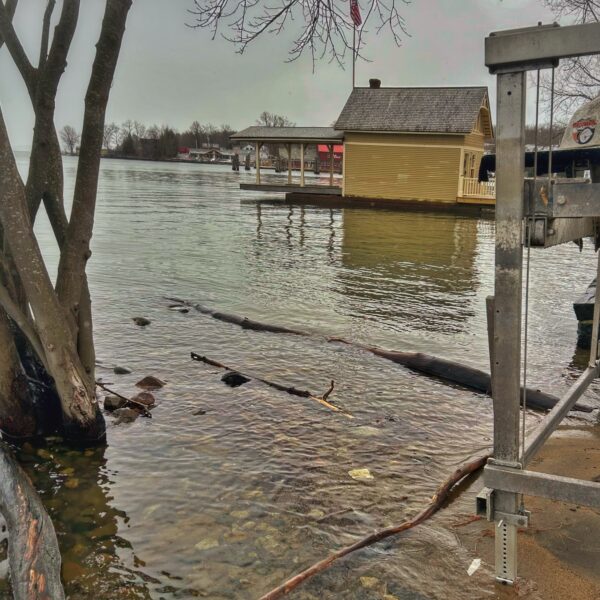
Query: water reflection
400	265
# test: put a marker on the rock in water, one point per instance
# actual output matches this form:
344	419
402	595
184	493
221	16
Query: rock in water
141	321
126	415
145	398
121	370
114	403
234	379
150	383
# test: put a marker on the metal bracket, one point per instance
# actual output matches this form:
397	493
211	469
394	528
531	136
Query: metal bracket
520	519
484	503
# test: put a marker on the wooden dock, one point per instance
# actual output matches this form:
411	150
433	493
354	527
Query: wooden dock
286	188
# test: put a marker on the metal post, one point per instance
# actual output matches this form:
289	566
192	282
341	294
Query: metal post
507	305
302	165
331	165
257	165
289	152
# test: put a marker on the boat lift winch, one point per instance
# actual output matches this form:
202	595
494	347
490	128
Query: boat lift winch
540	212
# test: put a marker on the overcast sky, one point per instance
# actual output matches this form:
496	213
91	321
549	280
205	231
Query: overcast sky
171	74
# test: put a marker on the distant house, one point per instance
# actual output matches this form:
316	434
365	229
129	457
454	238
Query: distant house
416	143
397	144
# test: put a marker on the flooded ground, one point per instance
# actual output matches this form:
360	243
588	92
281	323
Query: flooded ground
226	492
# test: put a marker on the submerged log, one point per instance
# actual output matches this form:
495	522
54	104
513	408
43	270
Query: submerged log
243	322
437	502
278	386
463	375
33	554
446	370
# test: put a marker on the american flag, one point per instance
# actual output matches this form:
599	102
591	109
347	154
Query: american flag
355	13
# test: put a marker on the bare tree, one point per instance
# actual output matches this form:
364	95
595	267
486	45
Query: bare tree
70	138
139	130
197	131
323	28
127	128
46	326
153	132
209	131
577	80
272	120
109	135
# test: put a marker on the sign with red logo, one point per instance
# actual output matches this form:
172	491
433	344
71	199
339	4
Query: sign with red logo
583	130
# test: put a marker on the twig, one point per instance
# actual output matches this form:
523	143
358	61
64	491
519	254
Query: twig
328	392
434	505
283	388
146	413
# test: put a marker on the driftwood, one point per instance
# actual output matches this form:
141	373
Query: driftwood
283	388
33	554
437	502
446	370
139	405
243	322
463	375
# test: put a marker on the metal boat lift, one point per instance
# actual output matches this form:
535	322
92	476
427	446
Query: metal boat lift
529	213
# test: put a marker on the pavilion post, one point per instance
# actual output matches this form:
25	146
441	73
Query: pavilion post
331	165
289	153
257	165
302	165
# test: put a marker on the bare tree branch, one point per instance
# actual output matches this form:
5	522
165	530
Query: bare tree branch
10	7
323	28
15	48
45	33
577	80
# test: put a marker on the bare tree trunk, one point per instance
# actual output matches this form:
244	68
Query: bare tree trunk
82	419
76	251
33	554
17	419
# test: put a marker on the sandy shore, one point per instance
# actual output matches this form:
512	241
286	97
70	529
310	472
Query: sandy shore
559	554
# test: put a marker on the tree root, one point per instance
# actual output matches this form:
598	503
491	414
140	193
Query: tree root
283	388
434	505
446	370
33	554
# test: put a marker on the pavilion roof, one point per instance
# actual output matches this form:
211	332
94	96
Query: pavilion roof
258	133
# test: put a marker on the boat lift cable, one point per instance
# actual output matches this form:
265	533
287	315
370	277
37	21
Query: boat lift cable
530	222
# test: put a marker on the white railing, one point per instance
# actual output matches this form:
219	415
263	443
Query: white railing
471	187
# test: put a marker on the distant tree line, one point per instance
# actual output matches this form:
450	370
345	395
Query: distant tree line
134	139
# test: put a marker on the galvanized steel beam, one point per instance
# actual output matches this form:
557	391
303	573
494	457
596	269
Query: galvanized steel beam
539	47
507	303
531	483
544	430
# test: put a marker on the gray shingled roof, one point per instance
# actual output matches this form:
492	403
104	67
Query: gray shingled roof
429	110
315	134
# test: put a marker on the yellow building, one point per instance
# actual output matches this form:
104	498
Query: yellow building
416	144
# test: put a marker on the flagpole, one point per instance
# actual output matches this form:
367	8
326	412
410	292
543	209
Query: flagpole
353	56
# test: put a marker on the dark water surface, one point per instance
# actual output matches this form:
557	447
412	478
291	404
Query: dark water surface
228	503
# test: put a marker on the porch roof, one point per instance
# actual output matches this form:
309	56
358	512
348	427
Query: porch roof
290	135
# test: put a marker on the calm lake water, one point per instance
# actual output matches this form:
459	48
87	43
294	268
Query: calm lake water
228	503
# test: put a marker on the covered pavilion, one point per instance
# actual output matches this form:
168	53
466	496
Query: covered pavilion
288	136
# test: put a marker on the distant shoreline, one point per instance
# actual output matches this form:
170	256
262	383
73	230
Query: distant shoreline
168	160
